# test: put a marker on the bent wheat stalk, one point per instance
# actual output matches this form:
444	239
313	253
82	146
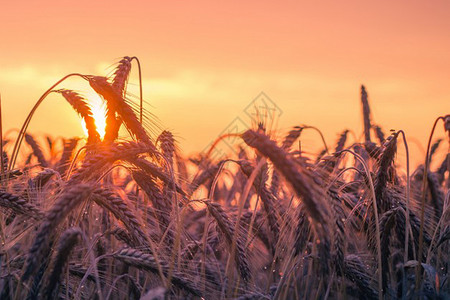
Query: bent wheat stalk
23	130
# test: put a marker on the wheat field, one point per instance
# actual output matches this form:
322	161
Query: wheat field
134	218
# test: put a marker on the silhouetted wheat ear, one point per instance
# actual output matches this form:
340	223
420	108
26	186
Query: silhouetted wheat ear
447	124
119	84
70	198
341	142
442	169
167	142
100	249
387	223
181	165
275	182
257	228
339	237
379	133
437	194
37	151
115	100
167	145
160	203
188	253
267	199
107	154
66	244
5	161
433	148
41	179
36	284
19	206
64	161
150	187
304	186
121	74
292	136
123	236
302	230
108	199
227	229
384	171
140	260
444	236
356	272
366	114
365	157
302	183
113	124
79	104
155	171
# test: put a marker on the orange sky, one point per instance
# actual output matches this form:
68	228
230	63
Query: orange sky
204	61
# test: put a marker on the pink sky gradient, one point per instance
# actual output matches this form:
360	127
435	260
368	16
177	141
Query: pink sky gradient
204	61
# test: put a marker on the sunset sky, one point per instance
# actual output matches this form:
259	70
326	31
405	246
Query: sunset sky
204	61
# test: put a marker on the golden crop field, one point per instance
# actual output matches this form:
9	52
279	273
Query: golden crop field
114	217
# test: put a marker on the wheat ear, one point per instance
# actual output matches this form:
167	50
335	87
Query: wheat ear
66	244
69	199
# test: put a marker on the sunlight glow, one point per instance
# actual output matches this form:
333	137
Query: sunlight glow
98	109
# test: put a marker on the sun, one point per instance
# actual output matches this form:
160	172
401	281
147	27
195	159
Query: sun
98	110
